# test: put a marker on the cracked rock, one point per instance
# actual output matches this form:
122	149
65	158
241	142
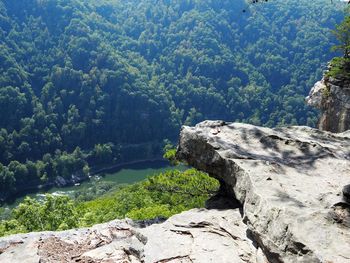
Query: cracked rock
288	180
198	235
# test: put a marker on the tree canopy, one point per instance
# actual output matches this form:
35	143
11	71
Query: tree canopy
342	33
90	83
161	195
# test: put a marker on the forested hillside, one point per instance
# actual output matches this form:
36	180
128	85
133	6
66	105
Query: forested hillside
161	196
81	79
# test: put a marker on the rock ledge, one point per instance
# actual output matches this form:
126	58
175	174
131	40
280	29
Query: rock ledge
198	235
291	185
289	181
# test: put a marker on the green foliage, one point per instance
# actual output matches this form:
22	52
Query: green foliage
160	195
339	68
105	76
342	33
98	189
169	153
190	183
17	175
55	213
103	153
10	227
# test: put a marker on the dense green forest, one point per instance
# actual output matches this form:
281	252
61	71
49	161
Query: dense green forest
81	81
161	195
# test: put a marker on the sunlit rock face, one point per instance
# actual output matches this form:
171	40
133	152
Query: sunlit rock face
284	198
332	96
198	235
291	182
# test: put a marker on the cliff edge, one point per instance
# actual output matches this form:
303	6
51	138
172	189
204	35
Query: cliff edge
332	96
198	235
288	191
289	181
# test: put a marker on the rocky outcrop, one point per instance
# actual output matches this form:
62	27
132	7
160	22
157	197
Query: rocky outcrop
199	235
290	182
288	191
332	96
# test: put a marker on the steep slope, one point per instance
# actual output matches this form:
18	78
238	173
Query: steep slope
108	81
332	96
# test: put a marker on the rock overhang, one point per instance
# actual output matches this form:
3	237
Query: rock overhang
288	179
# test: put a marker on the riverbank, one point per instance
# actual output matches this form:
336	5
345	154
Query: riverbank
79	178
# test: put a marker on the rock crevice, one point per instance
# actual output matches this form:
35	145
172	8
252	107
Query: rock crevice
199	235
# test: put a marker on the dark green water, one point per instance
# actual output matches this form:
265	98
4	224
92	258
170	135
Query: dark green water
125	174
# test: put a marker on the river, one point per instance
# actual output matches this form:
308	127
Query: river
121	175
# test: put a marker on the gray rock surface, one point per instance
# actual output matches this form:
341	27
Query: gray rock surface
198	235
332	97
204	235
289	181
292	185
